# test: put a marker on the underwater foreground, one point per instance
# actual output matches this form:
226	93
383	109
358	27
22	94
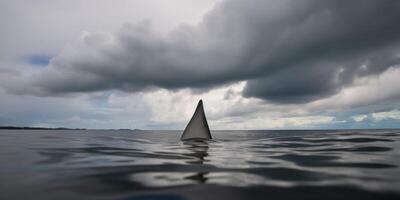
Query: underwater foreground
144	165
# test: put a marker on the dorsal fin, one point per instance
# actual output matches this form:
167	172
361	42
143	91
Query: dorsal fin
197	127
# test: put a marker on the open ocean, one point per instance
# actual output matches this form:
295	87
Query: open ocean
146	165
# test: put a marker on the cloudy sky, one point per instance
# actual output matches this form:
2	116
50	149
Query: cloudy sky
257	64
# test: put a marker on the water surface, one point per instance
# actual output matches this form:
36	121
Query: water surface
143	165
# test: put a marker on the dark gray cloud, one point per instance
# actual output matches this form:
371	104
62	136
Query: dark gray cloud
287	51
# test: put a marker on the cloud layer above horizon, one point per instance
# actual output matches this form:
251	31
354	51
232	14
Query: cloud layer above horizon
289	63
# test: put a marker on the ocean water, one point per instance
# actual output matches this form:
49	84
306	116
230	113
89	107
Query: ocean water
144	165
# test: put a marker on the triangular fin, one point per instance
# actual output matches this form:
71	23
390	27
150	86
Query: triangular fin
197	127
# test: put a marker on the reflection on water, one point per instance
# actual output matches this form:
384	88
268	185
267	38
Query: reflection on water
237	165
197	150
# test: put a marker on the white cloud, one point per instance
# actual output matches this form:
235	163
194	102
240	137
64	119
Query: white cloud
96	110
235	112
178	106
268	122
393	114
368	93
359	118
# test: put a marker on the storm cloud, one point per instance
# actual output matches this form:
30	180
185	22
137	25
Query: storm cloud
286	51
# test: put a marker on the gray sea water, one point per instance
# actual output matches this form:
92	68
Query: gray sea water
144	165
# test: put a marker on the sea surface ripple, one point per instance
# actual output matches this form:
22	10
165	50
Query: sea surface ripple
143	165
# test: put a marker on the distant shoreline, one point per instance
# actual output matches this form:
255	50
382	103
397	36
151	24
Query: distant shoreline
37	128
58	128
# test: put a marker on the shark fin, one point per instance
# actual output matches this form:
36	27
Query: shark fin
197	127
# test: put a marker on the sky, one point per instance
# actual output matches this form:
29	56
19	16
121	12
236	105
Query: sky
257	64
